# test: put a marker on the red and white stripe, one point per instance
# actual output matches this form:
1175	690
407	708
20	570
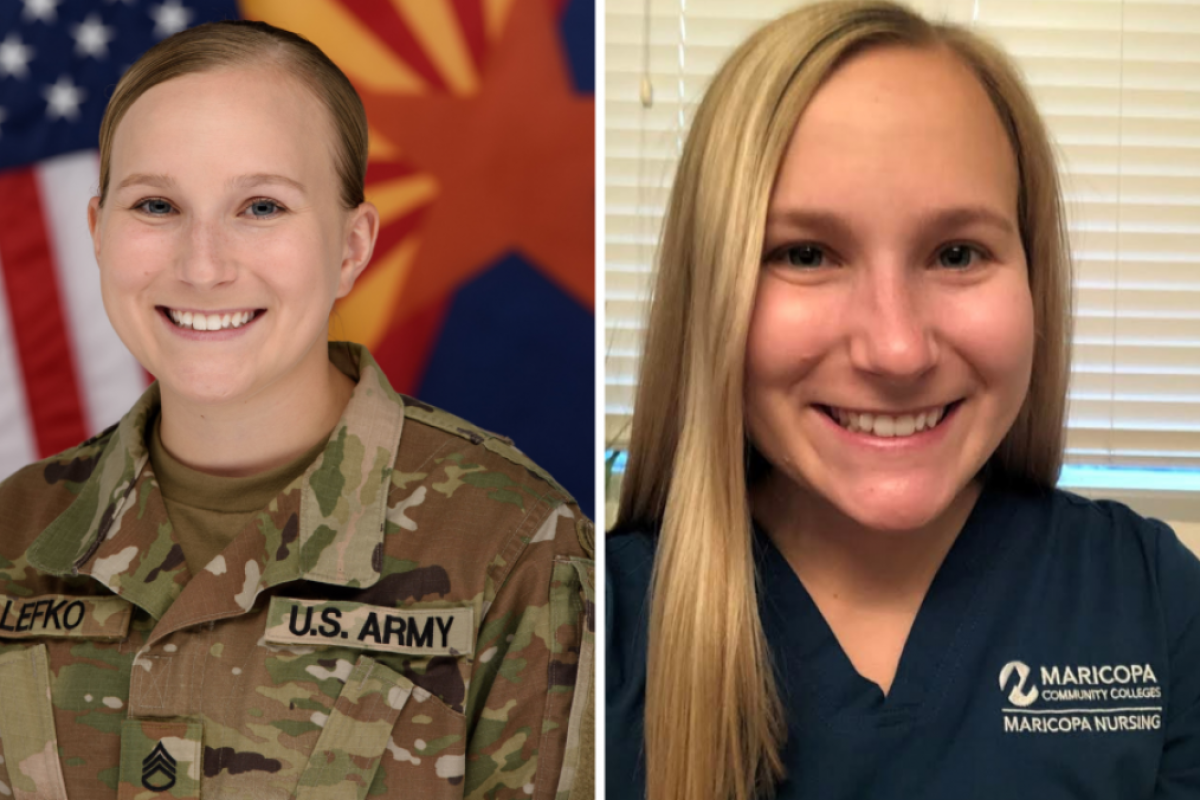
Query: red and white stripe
64	374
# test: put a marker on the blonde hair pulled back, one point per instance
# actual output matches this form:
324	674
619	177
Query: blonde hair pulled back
713	721
241	43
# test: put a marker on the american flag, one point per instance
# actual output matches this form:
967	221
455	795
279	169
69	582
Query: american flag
480	296
64	374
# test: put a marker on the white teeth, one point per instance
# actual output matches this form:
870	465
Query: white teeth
886	426
209	322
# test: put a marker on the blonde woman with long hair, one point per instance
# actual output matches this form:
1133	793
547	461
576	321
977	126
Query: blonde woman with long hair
841	568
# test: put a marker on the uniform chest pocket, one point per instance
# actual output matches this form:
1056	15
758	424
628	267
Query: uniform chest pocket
334	700
357	733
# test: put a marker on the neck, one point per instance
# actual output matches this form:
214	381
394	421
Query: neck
838	559
255	434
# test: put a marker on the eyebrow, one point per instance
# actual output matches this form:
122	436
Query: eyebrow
941	218
163	181
260	178
146	179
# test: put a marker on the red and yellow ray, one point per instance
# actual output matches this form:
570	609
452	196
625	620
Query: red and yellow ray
421	64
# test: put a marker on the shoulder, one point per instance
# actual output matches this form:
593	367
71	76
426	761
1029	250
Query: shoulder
35	495
476	509
629	561
1107	540
1107	525
1144	564
629	567
1059	517
436	460
428	427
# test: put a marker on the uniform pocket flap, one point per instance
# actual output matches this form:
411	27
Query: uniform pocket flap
353	739
27	726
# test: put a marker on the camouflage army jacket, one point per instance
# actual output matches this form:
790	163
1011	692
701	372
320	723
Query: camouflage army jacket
410	618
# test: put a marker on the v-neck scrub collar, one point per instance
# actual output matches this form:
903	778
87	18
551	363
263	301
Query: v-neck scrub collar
821	684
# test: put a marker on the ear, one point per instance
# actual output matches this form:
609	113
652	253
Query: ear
94	225
362	229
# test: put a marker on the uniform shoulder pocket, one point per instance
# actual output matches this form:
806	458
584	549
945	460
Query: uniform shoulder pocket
27	729
354	738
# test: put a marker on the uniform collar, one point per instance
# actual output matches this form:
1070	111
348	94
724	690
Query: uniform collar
326	526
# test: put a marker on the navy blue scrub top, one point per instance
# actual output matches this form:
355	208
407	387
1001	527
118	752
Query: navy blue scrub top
1056	655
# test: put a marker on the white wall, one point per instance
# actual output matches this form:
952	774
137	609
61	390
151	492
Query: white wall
1189	532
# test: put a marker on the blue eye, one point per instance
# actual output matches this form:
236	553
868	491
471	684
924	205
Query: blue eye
803	255
959	256
263	208
155	206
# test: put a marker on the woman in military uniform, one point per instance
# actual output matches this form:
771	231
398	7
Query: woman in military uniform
839	507
276	577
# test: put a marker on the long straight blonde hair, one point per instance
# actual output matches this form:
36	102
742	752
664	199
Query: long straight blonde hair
713	721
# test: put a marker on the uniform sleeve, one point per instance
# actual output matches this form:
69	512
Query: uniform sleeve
1179	587
530	707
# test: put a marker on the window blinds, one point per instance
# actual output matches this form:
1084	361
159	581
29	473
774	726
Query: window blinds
1119	85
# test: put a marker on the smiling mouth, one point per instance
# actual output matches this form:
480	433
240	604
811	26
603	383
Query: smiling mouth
889	426
196	321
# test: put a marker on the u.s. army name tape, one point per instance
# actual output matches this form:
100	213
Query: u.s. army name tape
103	618
412	631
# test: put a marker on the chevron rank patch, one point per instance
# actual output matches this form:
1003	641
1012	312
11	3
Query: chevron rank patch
160	759
60	616
411	631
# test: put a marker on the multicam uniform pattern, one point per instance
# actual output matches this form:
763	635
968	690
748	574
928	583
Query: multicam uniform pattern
411	519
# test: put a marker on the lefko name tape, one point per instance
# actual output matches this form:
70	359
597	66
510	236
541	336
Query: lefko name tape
412	631
103	618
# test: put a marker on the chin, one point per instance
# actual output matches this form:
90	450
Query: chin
909	517
202	387
896	506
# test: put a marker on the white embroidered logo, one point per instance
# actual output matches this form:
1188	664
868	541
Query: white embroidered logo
1019	696
1104	698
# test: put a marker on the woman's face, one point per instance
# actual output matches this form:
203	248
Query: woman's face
892	338
223	204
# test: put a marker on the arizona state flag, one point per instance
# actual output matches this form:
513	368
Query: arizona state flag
480	296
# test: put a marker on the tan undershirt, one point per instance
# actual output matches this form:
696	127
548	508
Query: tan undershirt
209	511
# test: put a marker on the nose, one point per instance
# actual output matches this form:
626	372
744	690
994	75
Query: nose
205	258
893	332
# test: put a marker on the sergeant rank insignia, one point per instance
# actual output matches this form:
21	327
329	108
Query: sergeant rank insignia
159	769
